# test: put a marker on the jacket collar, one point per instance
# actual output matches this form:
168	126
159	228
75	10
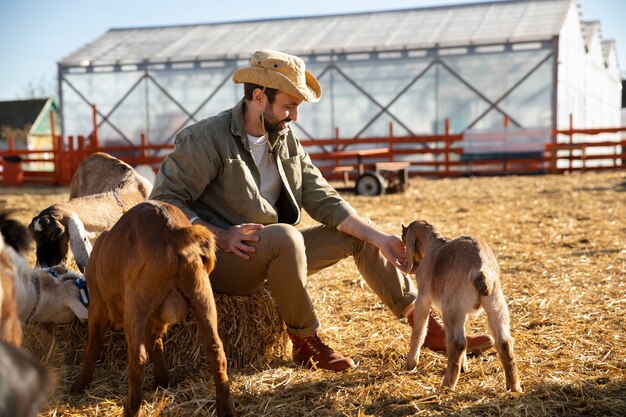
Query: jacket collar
236	120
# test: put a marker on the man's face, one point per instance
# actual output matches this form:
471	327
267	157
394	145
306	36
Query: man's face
283	110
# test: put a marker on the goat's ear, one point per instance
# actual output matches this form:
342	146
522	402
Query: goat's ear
79	242
78	308
410	242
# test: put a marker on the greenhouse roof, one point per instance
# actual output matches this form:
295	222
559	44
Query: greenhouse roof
393	30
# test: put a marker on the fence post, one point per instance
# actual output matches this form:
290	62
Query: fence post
391	142
55	155
337	160
505	163
94	136
12	174
571	140
447	147
142	150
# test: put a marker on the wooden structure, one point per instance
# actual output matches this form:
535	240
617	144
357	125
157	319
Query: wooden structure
375	157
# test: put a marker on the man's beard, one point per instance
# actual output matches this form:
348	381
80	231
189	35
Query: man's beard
271	126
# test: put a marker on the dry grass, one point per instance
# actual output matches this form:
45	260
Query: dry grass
560	241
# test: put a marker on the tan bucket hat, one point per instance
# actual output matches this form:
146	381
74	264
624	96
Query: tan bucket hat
281	71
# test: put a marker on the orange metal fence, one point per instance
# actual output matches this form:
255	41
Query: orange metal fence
432	156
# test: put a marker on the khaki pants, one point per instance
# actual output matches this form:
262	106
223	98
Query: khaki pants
285	256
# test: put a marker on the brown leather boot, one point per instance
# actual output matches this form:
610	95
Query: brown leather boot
436	337
313	348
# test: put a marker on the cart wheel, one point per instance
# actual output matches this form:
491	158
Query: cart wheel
370	183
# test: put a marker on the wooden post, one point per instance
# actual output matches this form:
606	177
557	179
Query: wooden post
142	153
94	138
337	148
506	138
56	147
571	139
70	160
391	142
447	146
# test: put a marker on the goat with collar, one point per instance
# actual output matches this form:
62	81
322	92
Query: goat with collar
48	295
41	294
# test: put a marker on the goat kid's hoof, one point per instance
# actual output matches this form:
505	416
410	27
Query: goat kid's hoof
515	388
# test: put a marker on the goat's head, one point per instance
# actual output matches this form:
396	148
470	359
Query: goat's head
14	233
415	238
49	229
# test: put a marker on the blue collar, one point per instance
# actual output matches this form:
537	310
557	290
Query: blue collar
83	296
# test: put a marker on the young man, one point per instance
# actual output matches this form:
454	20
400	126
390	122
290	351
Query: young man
244	175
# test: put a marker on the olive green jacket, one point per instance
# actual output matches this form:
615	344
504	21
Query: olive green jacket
211	174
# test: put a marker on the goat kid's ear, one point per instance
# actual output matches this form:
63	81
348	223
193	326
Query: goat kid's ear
78	308
410	245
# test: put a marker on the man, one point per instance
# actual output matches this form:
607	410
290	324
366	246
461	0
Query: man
244	175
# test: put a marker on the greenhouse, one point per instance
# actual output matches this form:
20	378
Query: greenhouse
527	63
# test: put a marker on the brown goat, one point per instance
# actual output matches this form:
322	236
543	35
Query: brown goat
102	172
14	242
459	276
10	326
143	275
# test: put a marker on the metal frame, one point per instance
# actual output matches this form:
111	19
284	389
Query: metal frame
333	67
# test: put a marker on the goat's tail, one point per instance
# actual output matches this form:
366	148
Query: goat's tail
481	283
199	241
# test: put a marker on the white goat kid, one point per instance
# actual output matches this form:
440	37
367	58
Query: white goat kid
459	276
49	295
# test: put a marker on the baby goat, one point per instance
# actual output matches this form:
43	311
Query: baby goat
459	276
143	275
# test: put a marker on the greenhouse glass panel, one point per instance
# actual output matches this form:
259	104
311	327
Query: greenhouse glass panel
105	90
457	103
492	120
493	74
191	87
129	117
416	107
224	98
77	114
352	108
531	102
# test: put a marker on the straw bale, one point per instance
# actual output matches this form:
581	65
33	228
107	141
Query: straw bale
250	328
560	241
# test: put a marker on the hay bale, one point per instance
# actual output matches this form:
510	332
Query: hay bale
250	328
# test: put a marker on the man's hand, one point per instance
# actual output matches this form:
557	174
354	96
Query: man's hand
234	239
390	246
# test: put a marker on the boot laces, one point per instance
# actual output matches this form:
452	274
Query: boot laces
315	344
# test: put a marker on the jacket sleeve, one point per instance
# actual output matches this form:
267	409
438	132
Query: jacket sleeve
319	199
185	172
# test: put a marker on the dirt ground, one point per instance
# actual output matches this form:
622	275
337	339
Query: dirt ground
560	241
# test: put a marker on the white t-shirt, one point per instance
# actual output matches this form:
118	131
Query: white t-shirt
270	179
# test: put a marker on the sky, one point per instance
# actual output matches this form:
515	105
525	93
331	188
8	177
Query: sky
35	34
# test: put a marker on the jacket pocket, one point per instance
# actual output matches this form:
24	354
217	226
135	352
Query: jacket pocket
239	185
293	172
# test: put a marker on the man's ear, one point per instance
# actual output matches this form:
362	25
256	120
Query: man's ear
259	97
